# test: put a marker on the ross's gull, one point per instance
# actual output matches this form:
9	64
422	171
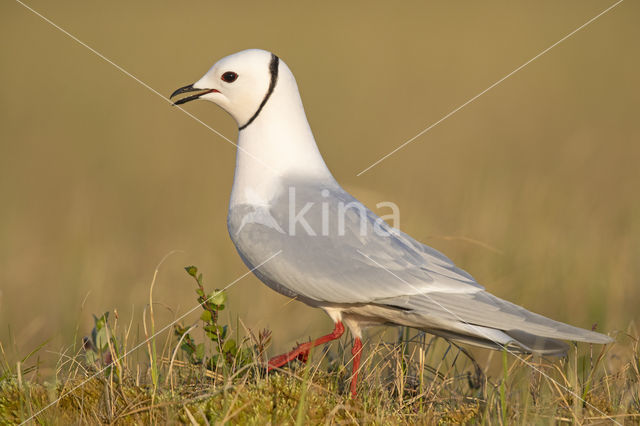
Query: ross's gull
335	254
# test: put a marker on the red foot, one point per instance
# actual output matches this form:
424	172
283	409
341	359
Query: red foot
303	356
302	351
356	352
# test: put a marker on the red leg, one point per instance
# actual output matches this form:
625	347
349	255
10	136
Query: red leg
302	351
356	352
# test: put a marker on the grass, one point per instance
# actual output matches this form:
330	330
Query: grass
416	378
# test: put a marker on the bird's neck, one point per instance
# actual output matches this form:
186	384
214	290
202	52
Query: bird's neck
277	144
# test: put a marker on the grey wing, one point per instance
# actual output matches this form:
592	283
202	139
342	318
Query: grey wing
484	311
356	259
411	283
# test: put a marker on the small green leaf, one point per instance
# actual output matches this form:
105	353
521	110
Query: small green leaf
199	279
101	339
200	351
229	347
211	332
200	292
246	354
101	321
94	333
90	356
218	297
206	316
187	348
191	270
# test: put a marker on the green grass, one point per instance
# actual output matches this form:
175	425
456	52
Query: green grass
319	394
415	378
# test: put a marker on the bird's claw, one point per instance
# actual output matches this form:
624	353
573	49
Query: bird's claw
303	356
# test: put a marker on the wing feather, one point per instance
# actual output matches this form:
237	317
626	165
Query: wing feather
350	255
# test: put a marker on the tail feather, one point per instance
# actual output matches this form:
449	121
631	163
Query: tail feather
515	341
538	344
477	313
482	319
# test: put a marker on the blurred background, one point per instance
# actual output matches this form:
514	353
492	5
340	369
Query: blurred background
532	188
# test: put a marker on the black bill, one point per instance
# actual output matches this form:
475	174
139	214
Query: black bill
188	89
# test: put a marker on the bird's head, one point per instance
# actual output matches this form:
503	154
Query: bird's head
241	84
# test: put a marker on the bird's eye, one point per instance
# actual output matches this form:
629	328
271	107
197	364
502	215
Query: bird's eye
229	76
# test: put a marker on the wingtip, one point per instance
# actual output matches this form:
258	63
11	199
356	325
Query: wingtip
597	338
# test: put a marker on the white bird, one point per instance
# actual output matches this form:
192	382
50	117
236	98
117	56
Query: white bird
332	252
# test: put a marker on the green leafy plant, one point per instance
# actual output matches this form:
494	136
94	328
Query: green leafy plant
228	352
101	349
